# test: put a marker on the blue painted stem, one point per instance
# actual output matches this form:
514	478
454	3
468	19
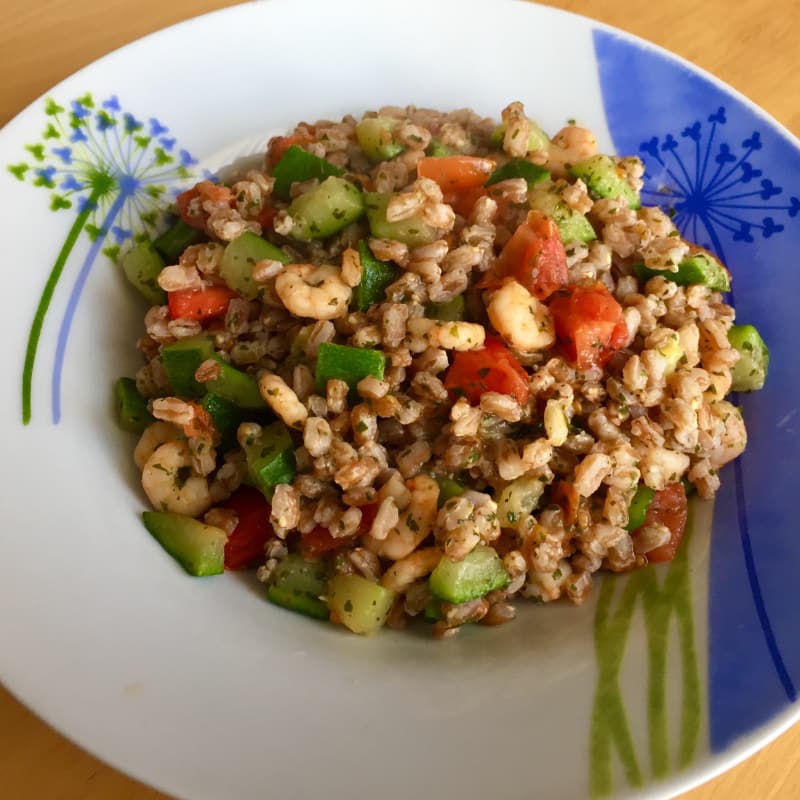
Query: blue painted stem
74	298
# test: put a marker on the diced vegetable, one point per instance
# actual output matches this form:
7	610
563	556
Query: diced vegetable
200	304
227	417
239	258
456	173
301	602
183	201
141	266
750	371
278	145
270	458
448	489
669	507
537	138
297	574
374	136
359	604
297	165
451	311
519	168
199	548
245	545
348	364
413	231
238	387
437	149
572	225
534	256
698	268
519	499
319	541
479	573
176	239
181	360
637	511
604	177
376	275
132	413
589	324
491	369
323	211
433	611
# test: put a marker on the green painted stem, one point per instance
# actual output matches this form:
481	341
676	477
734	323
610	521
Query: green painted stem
45	300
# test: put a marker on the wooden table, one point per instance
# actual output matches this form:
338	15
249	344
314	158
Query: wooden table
751	44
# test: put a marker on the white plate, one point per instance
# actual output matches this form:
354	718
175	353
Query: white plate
199	686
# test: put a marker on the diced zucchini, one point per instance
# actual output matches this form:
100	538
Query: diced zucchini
239	258
348	364
141	266
323	211
270	458
537	138
437	149
199	548
451	311
238	387
376	275
572	225
132	413
750	371
519	168
673	352
699	268
433	610
181	360
374	136
298	584
360	605
518	500
174	241
297	165
605	178
227	418
637	510
479	573
448	489
413	231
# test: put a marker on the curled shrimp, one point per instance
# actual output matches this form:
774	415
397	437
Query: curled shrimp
153	437
570	145
411	568
415	524
170	482
427	333
523	321
315	292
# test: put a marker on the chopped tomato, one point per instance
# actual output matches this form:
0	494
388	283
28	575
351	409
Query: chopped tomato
668	507
245	546
455	173
462	202
183	200
278	145
492	369
589	324
534	256
319	541
199	304
566	495
265	218
368	514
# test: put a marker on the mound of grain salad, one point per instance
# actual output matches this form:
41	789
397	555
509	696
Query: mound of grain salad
427	364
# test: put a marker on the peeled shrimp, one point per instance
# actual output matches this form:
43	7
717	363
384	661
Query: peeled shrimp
570	145
411	568
170	482
153	437
315	292
520	318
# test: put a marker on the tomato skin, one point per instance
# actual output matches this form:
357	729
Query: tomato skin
534	256
589	324
492	369
278	145
183	200
200	304
456	173
669	507
245	546
319	541
462	202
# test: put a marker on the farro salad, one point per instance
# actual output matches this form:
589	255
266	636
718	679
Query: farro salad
423	364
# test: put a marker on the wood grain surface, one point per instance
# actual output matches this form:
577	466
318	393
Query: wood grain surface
751	44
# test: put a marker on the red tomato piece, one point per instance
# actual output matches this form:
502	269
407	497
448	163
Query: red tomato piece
319	541
588	322
492	369
184	200
456	173
278	145
205	190
462	202
245	546
668	507
534	256
200	304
